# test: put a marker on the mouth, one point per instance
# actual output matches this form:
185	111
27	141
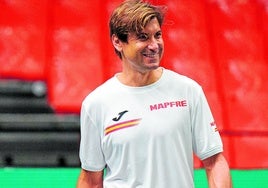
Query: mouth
151	55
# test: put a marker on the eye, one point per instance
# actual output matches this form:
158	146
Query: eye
142	37
158	35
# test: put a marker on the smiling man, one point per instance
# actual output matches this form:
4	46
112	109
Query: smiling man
144	124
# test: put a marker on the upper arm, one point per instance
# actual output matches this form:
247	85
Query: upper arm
217	159
90	153
210	161
206	138
89	179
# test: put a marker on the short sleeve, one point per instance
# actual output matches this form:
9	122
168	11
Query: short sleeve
206	138
91	155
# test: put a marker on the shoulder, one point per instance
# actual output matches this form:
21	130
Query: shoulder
180	80
101	92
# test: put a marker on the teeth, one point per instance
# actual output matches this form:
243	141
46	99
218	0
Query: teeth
150	55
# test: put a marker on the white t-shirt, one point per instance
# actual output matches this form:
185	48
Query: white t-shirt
146	136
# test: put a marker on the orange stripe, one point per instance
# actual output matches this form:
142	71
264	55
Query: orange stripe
121	125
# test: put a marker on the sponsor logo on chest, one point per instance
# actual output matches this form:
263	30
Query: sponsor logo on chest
172	104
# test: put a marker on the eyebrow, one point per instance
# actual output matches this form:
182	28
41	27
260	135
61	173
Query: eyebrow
141	33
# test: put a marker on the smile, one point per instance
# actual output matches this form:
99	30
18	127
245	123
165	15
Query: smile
151	55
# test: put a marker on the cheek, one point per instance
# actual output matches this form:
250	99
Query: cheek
133	51
161	48
130	53
161	45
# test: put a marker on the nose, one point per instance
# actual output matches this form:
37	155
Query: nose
153	45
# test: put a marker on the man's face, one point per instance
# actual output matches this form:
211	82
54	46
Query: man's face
144	51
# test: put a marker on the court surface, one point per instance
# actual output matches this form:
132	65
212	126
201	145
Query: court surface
66	178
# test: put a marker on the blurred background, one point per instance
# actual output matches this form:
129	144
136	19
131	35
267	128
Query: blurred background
54	52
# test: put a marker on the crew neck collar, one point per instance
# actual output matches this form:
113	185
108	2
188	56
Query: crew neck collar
140	88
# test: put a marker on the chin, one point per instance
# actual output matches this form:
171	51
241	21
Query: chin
153	67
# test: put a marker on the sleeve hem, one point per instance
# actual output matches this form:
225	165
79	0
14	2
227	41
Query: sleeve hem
92	169
211	152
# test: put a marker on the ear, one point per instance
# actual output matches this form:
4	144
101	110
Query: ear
117	43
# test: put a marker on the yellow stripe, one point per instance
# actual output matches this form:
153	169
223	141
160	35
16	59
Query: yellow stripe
121	126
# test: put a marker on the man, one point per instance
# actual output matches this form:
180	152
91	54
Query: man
144	124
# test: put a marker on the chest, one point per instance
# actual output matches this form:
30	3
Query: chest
140	120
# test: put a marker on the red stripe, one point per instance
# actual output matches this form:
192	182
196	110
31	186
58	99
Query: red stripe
122	124
120	129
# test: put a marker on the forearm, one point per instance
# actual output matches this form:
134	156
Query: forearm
218	173
219	177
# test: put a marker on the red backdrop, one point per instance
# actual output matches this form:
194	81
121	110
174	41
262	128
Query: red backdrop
222	44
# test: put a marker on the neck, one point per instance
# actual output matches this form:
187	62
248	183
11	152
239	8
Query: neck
138	79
